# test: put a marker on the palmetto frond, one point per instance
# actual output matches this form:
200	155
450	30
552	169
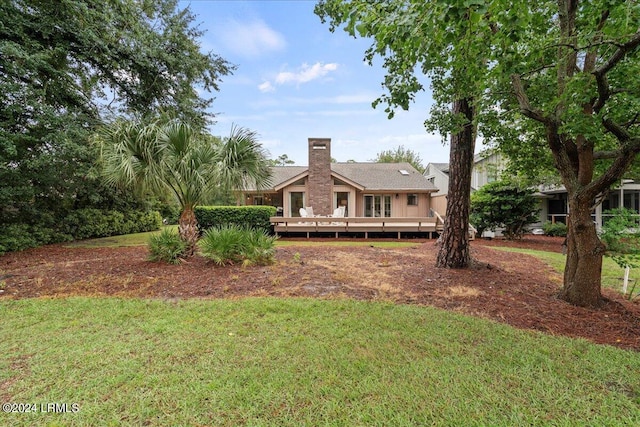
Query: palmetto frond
243	161
175	157
129	154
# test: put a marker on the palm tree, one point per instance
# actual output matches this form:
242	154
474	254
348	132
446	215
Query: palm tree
190	165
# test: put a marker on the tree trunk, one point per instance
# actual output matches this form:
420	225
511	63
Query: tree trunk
454	242
188	230
583	268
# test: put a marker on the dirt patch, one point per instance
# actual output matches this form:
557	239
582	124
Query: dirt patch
506	287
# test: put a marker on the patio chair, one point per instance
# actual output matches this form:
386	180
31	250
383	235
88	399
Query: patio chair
309	210
338	213
303	214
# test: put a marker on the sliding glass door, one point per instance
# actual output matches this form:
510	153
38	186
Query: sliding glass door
377	205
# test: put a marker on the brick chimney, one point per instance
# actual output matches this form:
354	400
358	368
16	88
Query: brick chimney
320	175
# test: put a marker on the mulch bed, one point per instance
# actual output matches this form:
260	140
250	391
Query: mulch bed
506	287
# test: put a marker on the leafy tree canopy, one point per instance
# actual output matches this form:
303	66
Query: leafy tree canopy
64	67
399	155
281	160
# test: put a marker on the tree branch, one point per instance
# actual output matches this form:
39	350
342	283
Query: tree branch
618	131
619	54
523	101
601	155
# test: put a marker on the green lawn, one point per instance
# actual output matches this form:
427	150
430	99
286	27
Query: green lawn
299	362
612	273
140	239
136	239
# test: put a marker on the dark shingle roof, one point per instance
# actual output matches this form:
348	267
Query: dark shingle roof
371	176
384	176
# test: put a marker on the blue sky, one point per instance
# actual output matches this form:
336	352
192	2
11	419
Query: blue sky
296	80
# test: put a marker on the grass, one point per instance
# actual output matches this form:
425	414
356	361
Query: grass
612	273
141	239
299	362
135	239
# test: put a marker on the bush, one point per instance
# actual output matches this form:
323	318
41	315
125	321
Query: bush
79	224
557	229
260	248
256	217
166	246
503	204
229	244
621	232
18	237
89	223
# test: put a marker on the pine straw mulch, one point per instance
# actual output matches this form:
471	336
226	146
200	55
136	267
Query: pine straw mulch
507	287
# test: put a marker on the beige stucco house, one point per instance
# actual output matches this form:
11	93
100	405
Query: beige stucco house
375	190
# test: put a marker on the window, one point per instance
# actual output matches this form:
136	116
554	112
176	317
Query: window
412	199
337	181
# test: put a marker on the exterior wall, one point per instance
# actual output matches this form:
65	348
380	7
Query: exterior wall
289	210
319	183
355	204
438	178
351	207
399	205
486	170
439	204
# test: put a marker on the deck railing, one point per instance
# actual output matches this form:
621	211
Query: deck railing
319	224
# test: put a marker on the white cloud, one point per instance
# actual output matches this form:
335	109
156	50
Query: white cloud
266	87
306	73
252	39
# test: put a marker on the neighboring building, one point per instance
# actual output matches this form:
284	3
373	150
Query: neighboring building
438	175
486	169
553	205
363	189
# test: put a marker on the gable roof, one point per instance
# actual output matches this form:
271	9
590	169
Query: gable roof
442	167
367	176
284	175
384	176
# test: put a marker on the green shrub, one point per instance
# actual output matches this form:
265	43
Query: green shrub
166	246
229	244
621	234
260	248
89	223
79	224
256	217
557	229
503	204
18	237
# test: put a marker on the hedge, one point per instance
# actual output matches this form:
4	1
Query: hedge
78	225
248	216
89	223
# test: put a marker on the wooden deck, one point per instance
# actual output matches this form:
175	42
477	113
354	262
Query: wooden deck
360	225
